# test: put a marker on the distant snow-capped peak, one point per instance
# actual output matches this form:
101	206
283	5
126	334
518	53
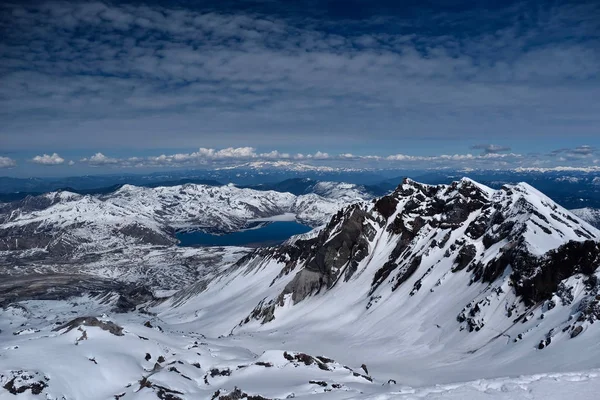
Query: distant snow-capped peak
285	166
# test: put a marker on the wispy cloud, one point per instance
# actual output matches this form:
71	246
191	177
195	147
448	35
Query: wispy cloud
6	162
47	159
100	159
491	148
575	153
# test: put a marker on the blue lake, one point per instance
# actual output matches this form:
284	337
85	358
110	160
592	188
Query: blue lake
266	234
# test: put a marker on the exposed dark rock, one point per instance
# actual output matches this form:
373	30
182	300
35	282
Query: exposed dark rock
236	394
537	279
23	381
331	256
219	372
131	298
91	321
305	359
465	256
264	364
577	331
363	376
325	359
386	206
364	368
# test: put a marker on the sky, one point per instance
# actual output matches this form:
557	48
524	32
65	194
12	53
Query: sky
100	87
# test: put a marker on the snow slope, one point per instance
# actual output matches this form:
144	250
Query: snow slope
49	353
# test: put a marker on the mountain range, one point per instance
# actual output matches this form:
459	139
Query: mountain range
386	297
570	188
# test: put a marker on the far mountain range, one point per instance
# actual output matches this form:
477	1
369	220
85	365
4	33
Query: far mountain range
571	189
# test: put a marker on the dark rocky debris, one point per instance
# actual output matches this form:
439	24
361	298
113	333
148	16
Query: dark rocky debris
108	326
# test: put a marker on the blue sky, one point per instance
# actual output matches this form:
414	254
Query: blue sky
95	87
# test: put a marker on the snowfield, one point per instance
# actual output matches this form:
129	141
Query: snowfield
432	292
137	356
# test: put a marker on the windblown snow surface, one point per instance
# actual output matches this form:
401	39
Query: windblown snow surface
434	292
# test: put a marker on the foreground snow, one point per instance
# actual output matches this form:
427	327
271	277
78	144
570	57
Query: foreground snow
139	356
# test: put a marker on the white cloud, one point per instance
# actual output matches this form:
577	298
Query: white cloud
275	155
6	162
100	159
230	152
452	157
320	156
210	157
404	157
47	159
491	148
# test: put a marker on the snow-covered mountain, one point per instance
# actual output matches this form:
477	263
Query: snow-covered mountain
590	215
64	222
397	297
451	273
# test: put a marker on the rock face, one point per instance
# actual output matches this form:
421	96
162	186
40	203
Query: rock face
483	254
331	256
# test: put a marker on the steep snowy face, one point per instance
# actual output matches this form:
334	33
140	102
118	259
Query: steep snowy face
63	222
460	257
